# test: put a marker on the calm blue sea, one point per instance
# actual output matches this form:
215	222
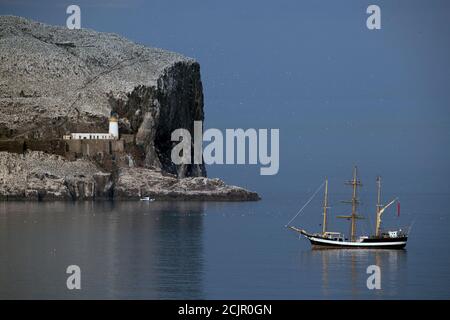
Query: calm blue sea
206	250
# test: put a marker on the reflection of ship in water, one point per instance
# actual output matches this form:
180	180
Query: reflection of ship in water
346	268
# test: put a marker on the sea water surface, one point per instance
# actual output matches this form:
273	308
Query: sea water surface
211	250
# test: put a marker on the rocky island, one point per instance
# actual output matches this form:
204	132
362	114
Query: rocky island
55	81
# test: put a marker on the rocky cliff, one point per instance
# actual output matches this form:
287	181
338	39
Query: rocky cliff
38	175
54	81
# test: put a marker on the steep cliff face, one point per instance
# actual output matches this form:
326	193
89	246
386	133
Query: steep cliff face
152	113
54	80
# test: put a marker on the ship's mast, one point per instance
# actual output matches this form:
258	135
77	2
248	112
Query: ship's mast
379	205
355	183
325	207
380	208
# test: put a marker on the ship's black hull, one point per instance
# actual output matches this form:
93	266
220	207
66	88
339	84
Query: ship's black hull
319	242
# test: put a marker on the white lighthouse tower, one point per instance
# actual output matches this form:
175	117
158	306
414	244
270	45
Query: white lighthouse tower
114	126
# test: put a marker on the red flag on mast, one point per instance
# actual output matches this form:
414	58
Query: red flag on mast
398	209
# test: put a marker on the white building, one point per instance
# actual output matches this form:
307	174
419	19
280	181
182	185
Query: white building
112	135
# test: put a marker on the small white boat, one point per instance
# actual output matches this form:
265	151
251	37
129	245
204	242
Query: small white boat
147	199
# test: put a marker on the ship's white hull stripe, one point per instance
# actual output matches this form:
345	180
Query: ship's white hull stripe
356	244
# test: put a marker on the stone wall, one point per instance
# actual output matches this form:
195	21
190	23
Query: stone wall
53	146
94	147
107	154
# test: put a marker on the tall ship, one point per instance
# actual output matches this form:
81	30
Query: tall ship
388	239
